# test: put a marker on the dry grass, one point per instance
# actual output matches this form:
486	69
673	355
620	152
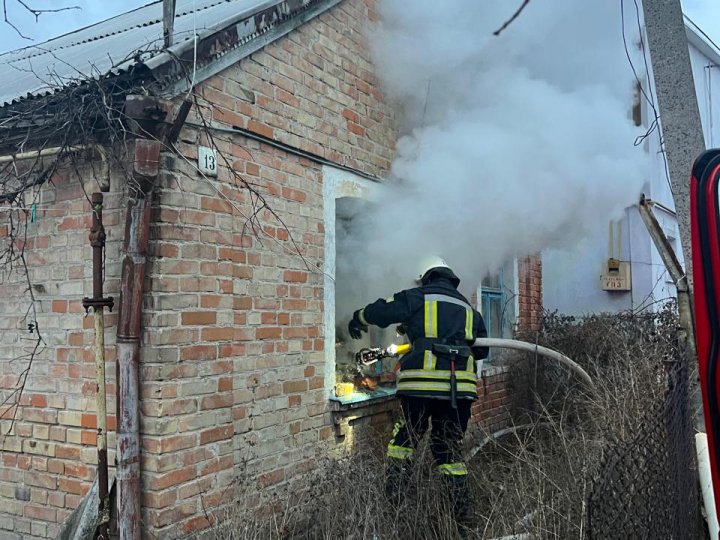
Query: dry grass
533	483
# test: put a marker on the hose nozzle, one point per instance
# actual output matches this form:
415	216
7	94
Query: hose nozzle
368	356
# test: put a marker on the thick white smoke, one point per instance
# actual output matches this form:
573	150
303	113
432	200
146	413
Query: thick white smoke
510	144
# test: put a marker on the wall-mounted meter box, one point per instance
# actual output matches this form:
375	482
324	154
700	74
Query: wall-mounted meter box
616	276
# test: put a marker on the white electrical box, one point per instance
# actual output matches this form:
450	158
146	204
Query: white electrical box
207	161
616	276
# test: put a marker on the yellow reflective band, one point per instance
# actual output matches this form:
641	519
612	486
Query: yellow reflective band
400	452
438	374
436	386
396	430
453	469
428	314
390	299
361	316
469	324
431	326
429	362
471	365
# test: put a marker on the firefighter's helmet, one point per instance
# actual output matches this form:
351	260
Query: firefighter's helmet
430	263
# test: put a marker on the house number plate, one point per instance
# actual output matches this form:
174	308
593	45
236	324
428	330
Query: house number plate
207	161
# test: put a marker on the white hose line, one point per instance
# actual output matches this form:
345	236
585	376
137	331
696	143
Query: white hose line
537	349
701	446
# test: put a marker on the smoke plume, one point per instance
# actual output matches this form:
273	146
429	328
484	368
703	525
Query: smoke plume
509	145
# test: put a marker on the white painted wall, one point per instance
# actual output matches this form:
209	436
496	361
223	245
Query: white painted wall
571	276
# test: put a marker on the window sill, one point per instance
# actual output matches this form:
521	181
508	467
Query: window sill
358	400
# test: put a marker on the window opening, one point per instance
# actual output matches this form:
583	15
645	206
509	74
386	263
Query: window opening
353	383
493	301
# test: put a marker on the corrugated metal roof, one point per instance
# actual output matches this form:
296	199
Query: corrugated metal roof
111	46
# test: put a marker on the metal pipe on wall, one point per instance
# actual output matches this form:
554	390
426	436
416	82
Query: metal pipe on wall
137	231
99	303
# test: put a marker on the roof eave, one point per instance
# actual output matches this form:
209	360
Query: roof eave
189	63
698	39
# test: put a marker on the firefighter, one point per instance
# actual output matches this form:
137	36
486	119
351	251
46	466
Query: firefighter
436	383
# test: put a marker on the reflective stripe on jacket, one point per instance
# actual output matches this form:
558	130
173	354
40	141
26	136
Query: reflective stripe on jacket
435	312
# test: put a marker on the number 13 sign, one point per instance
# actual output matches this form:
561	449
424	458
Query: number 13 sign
207	161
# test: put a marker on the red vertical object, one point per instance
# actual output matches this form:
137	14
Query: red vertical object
705	236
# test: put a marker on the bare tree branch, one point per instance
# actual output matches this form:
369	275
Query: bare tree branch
512	19
33	11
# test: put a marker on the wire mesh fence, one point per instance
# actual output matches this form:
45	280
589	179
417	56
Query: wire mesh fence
647	484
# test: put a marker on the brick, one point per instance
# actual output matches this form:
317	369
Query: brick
198	317
216	401
159	499
41	513
41	480
172	478
295	387
67	452
216	465
195	524
55	466
294	401
56	499
218	334
76	487
260	128
293	195
293	276
356	129
38	400
232	254
351	116
268	333
271	478
198	352
216	434
178	442
77	470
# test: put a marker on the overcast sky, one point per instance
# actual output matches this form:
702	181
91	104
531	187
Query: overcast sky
705	13
50	25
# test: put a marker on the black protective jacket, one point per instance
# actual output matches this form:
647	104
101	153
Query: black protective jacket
432	313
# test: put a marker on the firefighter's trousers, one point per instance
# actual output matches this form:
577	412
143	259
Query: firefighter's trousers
448	427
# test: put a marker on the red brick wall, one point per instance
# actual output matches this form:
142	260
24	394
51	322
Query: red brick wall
530	293
49	457
314	89
492	411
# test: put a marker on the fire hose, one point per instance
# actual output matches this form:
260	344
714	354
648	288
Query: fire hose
368	356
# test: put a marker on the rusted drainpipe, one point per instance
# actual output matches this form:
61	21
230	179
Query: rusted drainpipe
98	303
149	121
137	230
